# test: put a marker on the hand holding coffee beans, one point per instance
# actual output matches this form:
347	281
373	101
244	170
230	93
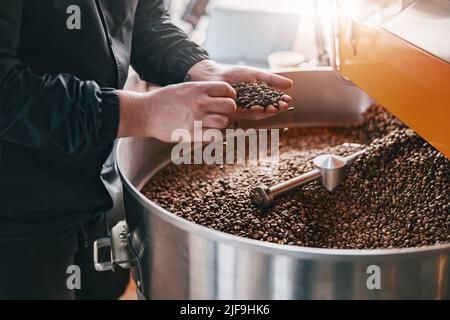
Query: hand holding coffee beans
240	76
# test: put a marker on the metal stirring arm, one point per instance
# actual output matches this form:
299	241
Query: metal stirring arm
263	196
330	168
353	156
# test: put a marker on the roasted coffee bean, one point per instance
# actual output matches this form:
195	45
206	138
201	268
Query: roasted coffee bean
397	194
251	94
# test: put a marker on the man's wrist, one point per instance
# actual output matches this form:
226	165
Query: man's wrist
205	70
133	121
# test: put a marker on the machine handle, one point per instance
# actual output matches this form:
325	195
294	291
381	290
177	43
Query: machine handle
118	248
106	265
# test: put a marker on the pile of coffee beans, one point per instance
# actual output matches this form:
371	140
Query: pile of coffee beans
395	195
251	94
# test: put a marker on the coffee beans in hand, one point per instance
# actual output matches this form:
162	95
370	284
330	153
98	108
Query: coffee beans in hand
251	94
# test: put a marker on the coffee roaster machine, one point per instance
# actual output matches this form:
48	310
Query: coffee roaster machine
404	65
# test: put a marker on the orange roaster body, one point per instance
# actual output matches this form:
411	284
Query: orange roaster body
411	81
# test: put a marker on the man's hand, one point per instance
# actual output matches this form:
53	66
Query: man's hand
159	112
208	70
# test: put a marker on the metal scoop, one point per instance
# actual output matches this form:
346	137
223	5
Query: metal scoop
329	167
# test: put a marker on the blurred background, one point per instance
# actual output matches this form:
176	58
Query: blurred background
259	33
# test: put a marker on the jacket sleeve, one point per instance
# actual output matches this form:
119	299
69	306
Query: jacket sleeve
56	112
161	52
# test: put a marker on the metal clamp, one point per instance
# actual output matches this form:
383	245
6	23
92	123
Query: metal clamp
118	246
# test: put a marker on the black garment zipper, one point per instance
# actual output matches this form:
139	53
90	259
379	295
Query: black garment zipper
108	37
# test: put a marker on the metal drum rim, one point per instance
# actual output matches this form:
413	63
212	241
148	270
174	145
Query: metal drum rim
271	248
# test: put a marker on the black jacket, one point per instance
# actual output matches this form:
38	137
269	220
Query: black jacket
58	105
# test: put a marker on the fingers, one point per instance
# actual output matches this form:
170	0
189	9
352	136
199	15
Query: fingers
286	98
269	109
283	106
272	109
274	80
257	108
220	89
255	113
215	121
221	105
